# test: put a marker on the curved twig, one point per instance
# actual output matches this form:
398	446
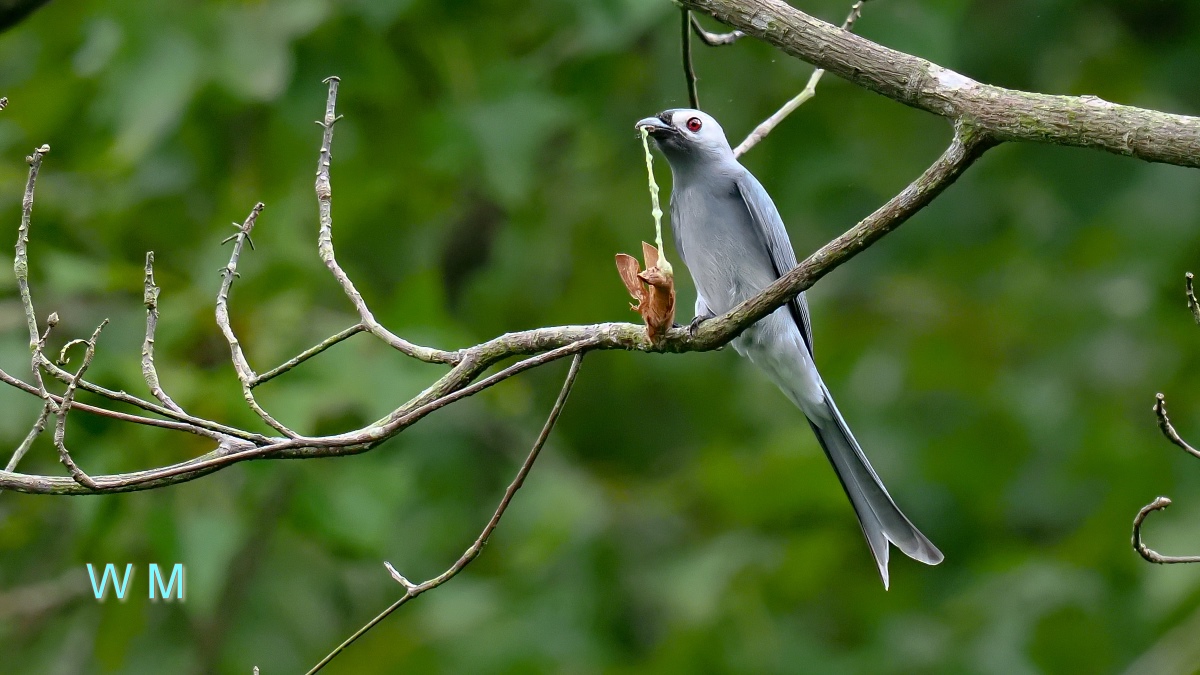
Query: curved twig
1168	429
1147	552
325	245
60	425
715	39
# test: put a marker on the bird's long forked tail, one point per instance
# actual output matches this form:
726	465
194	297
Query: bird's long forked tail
880	518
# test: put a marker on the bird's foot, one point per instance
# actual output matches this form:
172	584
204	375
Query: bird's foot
695	324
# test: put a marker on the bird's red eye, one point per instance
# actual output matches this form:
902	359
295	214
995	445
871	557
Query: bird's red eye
694	124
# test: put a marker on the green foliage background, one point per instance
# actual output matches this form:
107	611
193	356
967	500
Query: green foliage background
997	356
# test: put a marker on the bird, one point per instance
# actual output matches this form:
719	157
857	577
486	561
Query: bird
732	241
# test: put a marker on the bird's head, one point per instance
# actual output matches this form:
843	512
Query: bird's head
686	135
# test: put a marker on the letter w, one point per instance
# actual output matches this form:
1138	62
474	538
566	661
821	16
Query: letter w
109	571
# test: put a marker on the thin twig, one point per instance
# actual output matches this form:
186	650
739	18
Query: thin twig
324	191
412	590
39	425
715	39
245	373
1168	429
21	261
113	414
123	397
1145	551
1191	296
760	132
149	372
60	426
689	70
307	354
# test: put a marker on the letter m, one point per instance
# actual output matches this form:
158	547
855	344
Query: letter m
110	571
156	580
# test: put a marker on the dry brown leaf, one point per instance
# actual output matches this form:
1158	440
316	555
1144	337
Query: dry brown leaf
654	290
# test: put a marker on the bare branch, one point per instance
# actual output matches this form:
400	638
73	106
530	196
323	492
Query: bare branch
715	39
307	354
760	132
21	261
60	427
689	71
1147	552
245	373
39	426
1168	429
548	344
149	372
1004	114
412	590
325	246
216	428
112	414
1191	296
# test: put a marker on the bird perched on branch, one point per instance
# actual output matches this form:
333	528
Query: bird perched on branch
733	242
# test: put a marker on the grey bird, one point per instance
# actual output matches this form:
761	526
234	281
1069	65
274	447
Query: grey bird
733	242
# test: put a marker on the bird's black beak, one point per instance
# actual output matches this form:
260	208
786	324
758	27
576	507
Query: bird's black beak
656	125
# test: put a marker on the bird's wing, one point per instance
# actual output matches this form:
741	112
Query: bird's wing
774	237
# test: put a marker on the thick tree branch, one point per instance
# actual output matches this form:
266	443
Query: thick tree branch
1005	114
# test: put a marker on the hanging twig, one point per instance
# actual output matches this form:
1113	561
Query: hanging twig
689	71
412	590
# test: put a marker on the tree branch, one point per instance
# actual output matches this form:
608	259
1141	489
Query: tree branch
760	132
325	245
1005	114
689	70
715	39
245	373
412	590
149	372
1168	431
64	407
541	345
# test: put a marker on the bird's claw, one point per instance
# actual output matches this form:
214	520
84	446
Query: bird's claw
695	324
